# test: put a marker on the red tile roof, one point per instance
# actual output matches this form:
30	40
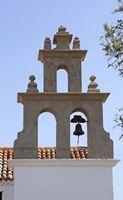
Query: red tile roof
6	154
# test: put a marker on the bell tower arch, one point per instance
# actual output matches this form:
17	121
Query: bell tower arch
63	104
62	74
62	55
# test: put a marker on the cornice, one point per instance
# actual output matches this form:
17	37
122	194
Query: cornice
58	53
22	97
63	163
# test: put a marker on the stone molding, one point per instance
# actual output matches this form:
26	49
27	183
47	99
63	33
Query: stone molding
63	162
22	97
53	53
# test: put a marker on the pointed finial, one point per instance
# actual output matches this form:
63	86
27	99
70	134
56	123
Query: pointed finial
92	87
62	30
32	86
62	38
32	78
47	43
76	43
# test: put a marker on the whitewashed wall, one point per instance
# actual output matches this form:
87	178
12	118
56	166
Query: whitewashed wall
7	189
63	179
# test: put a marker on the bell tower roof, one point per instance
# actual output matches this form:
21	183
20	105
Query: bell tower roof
62	38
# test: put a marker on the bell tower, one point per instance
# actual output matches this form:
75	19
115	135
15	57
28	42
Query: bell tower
62	105
62	57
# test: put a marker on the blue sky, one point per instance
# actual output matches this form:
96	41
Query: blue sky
23	27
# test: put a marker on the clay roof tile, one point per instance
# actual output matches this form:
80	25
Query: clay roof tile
6	154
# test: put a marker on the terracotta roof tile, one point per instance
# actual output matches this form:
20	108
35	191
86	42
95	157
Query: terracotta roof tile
6	154
5	172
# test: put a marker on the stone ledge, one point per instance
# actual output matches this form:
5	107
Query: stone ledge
62	96
62	162
58	53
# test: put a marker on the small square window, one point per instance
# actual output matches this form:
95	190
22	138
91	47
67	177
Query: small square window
0	195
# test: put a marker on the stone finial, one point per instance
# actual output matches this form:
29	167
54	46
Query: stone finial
32	86
62	30
47	43
76	43
62	38
92	87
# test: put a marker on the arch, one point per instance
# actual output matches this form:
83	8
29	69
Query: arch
82	139
63	66
62	81
82	110
49	110
47	128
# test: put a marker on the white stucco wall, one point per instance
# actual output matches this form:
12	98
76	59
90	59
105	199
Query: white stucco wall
63	179
7	189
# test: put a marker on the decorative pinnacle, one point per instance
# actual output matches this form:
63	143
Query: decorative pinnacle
32	78
47	43
32	86
92	78
62	30
62	38
92	87
47	39
76	43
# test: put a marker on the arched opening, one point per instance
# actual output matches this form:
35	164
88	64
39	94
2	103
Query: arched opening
74	142
62	80
46	130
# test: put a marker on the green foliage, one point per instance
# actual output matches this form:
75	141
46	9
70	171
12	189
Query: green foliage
112	42
120	6
119	119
